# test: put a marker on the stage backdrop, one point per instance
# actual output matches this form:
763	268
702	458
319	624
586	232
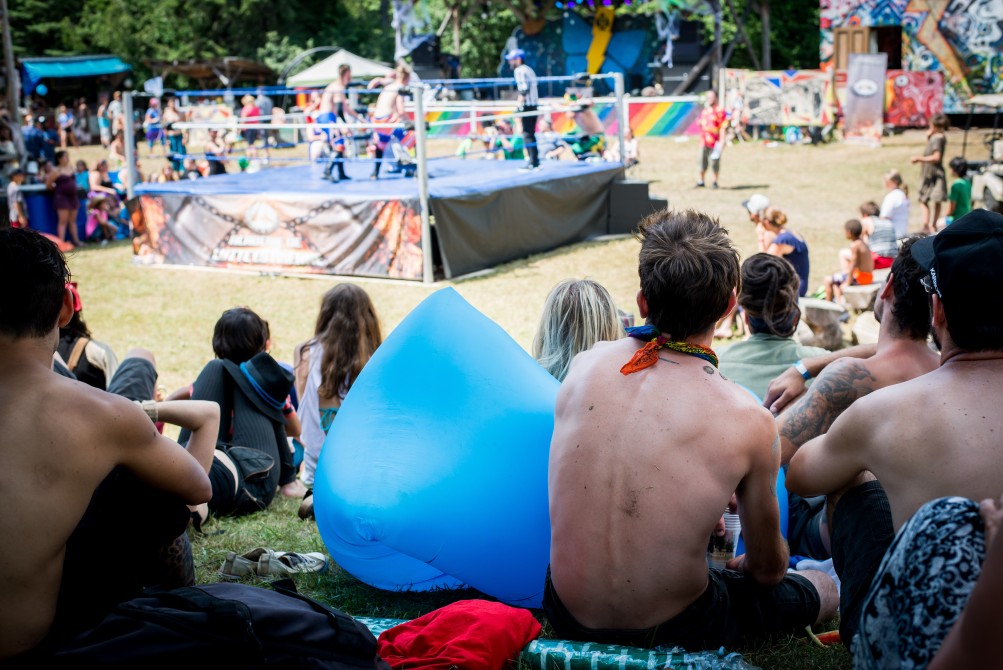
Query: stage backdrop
311	235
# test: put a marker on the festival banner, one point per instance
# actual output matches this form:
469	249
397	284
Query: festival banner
779	98
865	99
313	235
913	97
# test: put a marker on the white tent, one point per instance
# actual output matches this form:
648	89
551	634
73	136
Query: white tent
326	71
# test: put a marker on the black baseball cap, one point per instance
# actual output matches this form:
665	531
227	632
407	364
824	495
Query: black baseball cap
965	261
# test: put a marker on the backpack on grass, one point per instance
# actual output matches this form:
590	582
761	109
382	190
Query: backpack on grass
225	626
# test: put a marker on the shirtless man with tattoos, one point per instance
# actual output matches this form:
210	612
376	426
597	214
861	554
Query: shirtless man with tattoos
650	443
931	436
817	527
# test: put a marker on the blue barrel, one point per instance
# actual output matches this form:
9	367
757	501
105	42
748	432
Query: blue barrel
41	212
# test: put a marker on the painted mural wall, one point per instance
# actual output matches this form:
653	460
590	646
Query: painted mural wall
661	117
963	39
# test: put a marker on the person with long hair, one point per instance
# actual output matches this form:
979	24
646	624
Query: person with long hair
345	337
577	314
62	179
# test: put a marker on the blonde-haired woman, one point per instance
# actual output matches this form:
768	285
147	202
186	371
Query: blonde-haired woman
788	244
577	314
895	206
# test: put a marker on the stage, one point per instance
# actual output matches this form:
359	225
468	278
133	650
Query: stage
288	219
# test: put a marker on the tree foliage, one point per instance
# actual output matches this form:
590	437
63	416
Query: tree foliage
167	30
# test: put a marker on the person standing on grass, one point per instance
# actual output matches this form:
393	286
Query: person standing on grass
86	474
959	201
175	136
153	123
104	123
713	127
62	180
640	474
525	83
933	180
17	216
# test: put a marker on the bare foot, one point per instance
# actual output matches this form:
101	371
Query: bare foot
293	489
992	515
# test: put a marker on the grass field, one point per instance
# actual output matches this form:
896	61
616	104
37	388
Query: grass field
172	312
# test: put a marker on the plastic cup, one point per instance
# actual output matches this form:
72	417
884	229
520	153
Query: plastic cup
722	548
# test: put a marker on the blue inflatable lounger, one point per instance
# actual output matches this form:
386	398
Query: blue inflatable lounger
434	474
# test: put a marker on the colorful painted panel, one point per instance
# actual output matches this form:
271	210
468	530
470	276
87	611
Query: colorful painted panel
911	98
648	116
775	98
961	39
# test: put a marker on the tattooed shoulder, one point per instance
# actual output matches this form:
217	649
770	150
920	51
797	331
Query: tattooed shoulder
830	395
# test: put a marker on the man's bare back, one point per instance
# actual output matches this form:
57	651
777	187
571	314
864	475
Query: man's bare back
588	121
51	468
937	435
645	466
389	104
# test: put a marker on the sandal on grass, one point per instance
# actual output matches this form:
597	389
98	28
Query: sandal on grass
262	562
283	563
237	567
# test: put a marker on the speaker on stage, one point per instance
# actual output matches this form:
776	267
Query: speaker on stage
629	202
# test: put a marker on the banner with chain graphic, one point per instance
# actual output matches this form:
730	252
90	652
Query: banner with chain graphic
314	235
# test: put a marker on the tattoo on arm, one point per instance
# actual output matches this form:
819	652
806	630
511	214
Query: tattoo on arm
828	397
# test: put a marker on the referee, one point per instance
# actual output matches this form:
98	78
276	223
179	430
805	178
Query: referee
525	83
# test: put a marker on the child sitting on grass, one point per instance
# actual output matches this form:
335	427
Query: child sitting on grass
860	270
98	215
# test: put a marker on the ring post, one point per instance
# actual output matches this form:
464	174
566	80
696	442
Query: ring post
130	146
421	157
621	110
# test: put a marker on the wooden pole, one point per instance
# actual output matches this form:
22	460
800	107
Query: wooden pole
10	69
764	13
716	62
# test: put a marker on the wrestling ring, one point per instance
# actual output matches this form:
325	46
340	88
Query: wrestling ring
434	215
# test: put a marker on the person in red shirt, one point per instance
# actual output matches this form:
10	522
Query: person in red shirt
713	122
249	113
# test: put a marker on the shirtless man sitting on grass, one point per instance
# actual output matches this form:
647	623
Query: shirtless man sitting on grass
933	436
68	451
650	444
820	528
